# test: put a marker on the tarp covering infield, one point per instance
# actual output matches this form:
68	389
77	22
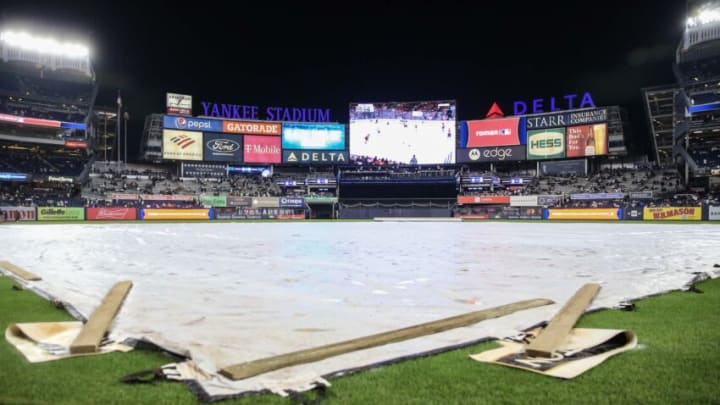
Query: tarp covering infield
227	293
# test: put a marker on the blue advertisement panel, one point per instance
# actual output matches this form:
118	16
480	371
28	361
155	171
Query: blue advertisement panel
597	196
291	202
219	147
8	176
338	157
313	136
192	124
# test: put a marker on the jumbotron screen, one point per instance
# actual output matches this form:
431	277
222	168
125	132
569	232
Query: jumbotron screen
403	132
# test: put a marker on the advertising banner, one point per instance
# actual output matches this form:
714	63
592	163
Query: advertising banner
587	140
672	213
235	201
124	196
17	213
291	202
203	170
258	213
262	149
72	143
192	124
546	144
589	214
316	199
111	214
488	212
523	201
640	195
549	200
178	103
265	202
60	213
315	156
597	196
713	212
493	154
219	147
484	199
565	119
491	132
172	213
164	197
182	145
575	167
633	213
252	128
313	136
213	200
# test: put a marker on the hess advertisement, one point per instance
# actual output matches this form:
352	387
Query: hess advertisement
182	145
494	154
494	132
222	148
546	144
262	149
587	140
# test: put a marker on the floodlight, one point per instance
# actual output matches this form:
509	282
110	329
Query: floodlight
43	45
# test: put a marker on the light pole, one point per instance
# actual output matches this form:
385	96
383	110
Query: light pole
117	131
126	116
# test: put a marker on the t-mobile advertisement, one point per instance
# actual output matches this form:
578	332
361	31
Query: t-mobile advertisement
262	149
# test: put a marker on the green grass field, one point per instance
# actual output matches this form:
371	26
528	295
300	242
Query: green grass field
677	362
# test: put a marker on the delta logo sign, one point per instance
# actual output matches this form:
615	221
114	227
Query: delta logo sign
541	105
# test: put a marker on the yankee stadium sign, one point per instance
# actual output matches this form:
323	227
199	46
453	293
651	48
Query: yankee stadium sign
253	112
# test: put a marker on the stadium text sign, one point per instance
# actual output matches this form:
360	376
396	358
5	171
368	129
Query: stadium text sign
252	112
314	156
566	102
546	143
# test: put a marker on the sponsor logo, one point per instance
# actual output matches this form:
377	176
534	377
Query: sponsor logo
61	179
291	202
223	145
52	211
183	141
292	157
674	212
255	148
181	122
474	154
112	213
546	143
497	153
256	128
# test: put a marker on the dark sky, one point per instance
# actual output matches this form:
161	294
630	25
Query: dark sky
318	55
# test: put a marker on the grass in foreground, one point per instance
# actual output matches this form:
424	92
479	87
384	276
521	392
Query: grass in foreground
678	362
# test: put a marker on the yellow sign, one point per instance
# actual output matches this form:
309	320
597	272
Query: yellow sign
672	213
594	214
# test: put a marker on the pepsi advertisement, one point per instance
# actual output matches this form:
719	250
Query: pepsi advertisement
219	147
192	124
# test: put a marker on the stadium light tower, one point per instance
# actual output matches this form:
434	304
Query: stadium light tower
126	117
51	46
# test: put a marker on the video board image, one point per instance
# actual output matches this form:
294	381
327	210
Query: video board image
403	132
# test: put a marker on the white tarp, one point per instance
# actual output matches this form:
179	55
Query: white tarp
225	293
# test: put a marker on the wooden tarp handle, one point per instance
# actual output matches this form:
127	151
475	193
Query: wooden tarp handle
88	341
559	327
260	366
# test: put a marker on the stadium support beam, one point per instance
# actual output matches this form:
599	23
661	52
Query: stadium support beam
88	341
256	367
559	327
20	272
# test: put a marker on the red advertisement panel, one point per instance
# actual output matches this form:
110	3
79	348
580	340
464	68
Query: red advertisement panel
586	140
495	132
76	144
483	199
111	214
262	149
17	213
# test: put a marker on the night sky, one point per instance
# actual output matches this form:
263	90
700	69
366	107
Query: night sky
307	54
